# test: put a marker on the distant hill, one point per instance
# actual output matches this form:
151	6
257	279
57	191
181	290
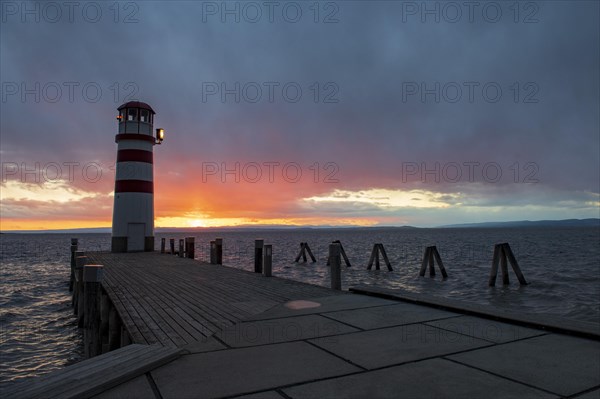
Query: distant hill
529	223
520	223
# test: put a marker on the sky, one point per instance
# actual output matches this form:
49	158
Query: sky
345	113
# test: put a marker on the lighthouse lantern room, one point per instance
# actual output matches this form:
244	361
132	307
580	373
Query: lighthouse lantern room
133	212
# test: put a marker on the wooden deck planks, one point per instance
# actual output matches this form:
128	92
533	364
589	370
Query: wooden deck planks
174	301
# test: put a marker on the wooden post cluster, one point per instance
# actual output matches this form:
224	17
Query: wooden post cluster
190	248
268	260
304	248
335	261
501	253
346	260
378	248
162	245
428	259
258	255
74	247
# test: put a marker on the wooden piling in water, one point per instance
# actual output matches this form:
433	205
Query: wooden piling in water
74	247
304	249
343	253
335	261
430	257
162	245
258	255
504	266
74	277
268	260
92	279
190	248
78	302
219	251
502	254
312	257
96	315
377	249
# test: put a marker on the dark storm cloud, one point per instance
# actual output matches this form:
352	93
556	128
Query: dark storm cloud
373	55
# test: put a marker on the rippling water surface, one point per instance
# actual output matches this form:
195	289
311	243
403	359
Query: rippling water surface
38	332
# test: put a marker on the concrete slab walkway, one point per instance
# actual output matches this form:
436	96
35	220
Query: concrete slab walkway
357	346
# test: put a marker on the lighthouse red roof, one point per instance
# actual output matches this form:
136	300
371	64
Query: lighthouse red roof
136	104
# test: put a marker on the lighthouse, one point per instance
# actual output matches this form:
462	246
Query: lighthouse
133	211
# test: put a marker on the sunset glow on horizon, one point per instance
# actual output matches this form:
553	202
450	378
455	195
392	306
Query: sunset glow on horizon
269	123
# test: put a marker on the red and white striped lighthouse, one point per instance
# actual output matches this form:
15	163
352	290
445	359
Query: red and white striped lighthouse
133	212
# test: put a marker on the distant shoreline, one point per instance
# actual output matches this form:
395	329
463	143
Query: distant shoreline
591	222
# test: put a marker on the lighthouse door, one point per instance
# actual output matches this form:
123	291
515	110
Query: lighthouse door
135	237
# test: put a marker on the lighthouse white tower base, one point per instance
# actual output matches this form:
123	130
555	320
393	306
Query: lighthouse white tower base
133	212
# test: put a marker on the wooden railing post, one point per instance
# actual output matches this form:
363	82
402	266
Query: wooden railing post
268	260
219	251
190	248
181	249
258	255
213	253
162	245
172	245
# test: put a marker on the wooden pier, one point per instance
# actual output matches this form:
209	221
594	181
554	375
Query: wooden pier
177	301
197	330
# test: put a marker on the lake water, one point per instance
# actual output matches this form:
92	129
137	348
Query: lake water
38	333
